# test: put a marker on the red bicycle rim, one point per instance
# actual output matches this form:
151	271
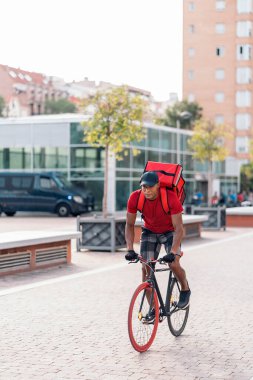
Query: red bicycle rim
141	335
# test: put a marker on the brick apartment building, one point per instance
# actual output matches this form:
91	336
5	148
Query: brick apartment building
25	92
217	65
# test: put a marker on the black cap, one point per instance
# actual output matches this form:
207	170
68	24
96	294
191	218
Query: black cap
149	179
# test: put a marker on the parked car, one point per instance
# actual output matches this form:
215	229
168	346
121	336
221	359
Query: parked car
48	192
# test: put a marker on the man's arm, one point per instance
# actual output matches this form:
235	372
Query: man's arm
129	230
177	222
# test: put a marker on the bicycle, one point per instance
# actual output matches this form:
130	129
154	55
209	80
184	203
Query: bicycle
147	302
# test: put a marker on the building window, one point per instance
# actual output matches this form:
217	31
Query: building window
191	98
13	74
219	74
191	52
242	144
220	51
50	157
243	121
153	138
191	74
191	6
244	6
244	28
15	158
243	52
191	28
219	97
87	158
243	98
243	75
220	28
219	119
220	5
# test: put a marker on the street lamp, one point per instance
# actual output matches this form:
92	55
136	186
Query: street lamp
185	115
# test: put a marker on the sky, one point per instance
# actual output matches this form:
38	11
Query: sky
134	42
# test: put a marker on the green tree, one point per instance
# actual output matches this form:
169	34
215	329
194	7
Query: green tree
59	106
173	114
117	120
246	175
2	105
207	144
246	172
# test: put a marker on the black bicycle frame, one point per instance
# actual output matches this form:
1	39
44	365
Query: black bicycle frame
152	280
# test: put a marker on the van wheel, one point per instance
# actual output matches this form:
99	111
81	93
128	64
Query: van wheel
63	210
10	213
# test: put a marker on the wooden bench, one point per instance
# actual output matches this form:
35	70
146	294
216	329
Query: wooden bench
239	216
192	226
29	250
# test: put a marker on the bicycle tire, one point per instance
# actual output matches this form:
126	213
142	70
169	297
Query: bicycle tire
178	318
141	334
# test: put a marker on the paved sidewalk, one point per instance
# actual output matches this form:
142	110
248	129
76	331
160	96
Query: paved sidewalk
77	328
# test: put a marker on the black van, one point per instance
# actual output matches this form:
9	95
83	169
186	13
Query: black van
49	192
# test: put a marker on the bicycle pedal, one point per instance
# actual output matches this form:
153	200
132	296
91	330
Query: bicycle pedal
145	322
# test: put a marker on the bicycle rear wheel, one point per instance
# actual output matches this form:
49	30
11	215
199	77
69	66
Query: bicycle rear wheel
141	331
177	318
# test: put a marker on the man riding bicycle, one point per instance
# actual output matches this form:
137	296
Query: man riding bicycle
159	228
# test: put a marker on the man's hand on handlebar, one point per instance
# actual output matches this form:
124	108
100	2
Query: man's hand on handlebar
131	255
169	258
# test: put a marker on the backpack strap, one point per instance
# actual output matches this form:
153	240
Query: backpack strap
140	203
164	199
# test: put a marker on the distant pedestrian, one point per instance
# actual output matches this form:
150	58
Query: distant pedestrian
215	199
240	198
223	199
231	199
197	198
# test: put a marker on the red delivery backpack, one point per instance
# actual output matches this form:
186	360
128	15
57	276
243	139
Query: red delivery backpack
170	177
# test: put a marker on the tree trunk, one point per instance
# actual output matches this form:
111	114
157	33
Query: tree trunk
104	206
210	182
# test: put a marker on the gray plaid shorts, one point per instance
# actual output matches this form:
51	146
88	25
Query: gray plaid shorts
150	244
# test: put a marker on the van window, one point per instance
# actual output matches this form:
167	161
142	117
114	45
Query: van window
47	183
2	183
21	182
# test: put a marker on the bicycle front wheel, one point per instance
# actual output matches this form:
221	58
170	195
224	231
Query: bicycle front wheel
177	318
141	328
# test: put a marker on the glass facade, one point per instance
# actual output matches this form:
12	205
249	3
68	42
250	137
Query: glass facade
15	158
84	165
50	158
86	157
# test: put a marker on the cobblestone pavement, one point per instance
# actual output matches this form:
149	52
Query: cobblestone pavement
77	328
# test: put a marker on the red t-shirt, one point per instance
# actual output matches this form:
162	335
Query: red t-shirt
154	216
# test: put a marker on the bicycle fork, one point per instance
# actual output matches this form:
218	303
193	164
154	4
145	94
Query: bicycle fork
150	299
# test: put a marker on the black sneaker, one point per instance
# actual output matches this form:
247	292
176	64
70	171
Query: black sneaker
150	317
184	299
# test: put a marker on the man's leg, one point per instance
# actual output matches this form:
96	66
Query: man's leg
179	272
149	249
145	276
185	293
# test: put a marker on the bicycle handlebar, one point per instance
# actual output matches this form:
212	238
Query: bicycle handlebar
143	261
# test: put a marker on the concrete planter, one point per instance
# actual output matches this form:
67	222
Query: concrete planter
101	234
240	217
